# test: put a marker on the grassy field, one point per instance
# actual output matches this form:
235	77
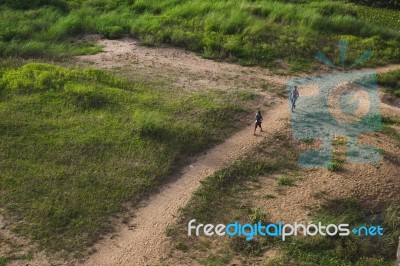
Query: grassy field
77	144
249	32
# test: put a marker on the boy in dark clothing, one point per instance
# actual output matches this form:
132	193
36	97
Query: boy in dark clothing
294	94
259	119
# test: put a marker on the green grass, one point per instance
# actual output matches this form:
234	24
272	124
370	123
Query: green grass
182	247
227	181
249	32
77	144
387	120
392	132
218	200
86	48
286	181
350	250
216	260
335	166
389	130
390	82
380	16
222	197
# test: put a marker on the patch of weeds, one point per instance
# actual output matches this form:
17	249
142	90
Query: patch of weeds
280	136
246	95
391	132
351	250
286	181
169	231
182	247
337	162
240	245
382	152
387	120
256	215
86	48
320	194
390	81
335	166
4	260
265	86
216	260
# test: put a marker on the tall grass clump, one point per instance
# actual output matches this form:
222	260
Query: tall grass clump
391	82
249	32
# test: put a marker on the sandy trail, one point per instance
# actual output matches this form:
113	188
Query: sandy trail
144	242
176	66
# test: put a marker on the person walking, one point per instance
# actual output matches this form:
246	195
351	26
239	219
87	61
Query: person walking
259	119
294	94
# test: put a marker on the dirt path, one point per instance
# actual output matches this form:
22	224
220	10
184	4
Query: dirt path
147	242
176	66
144	241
